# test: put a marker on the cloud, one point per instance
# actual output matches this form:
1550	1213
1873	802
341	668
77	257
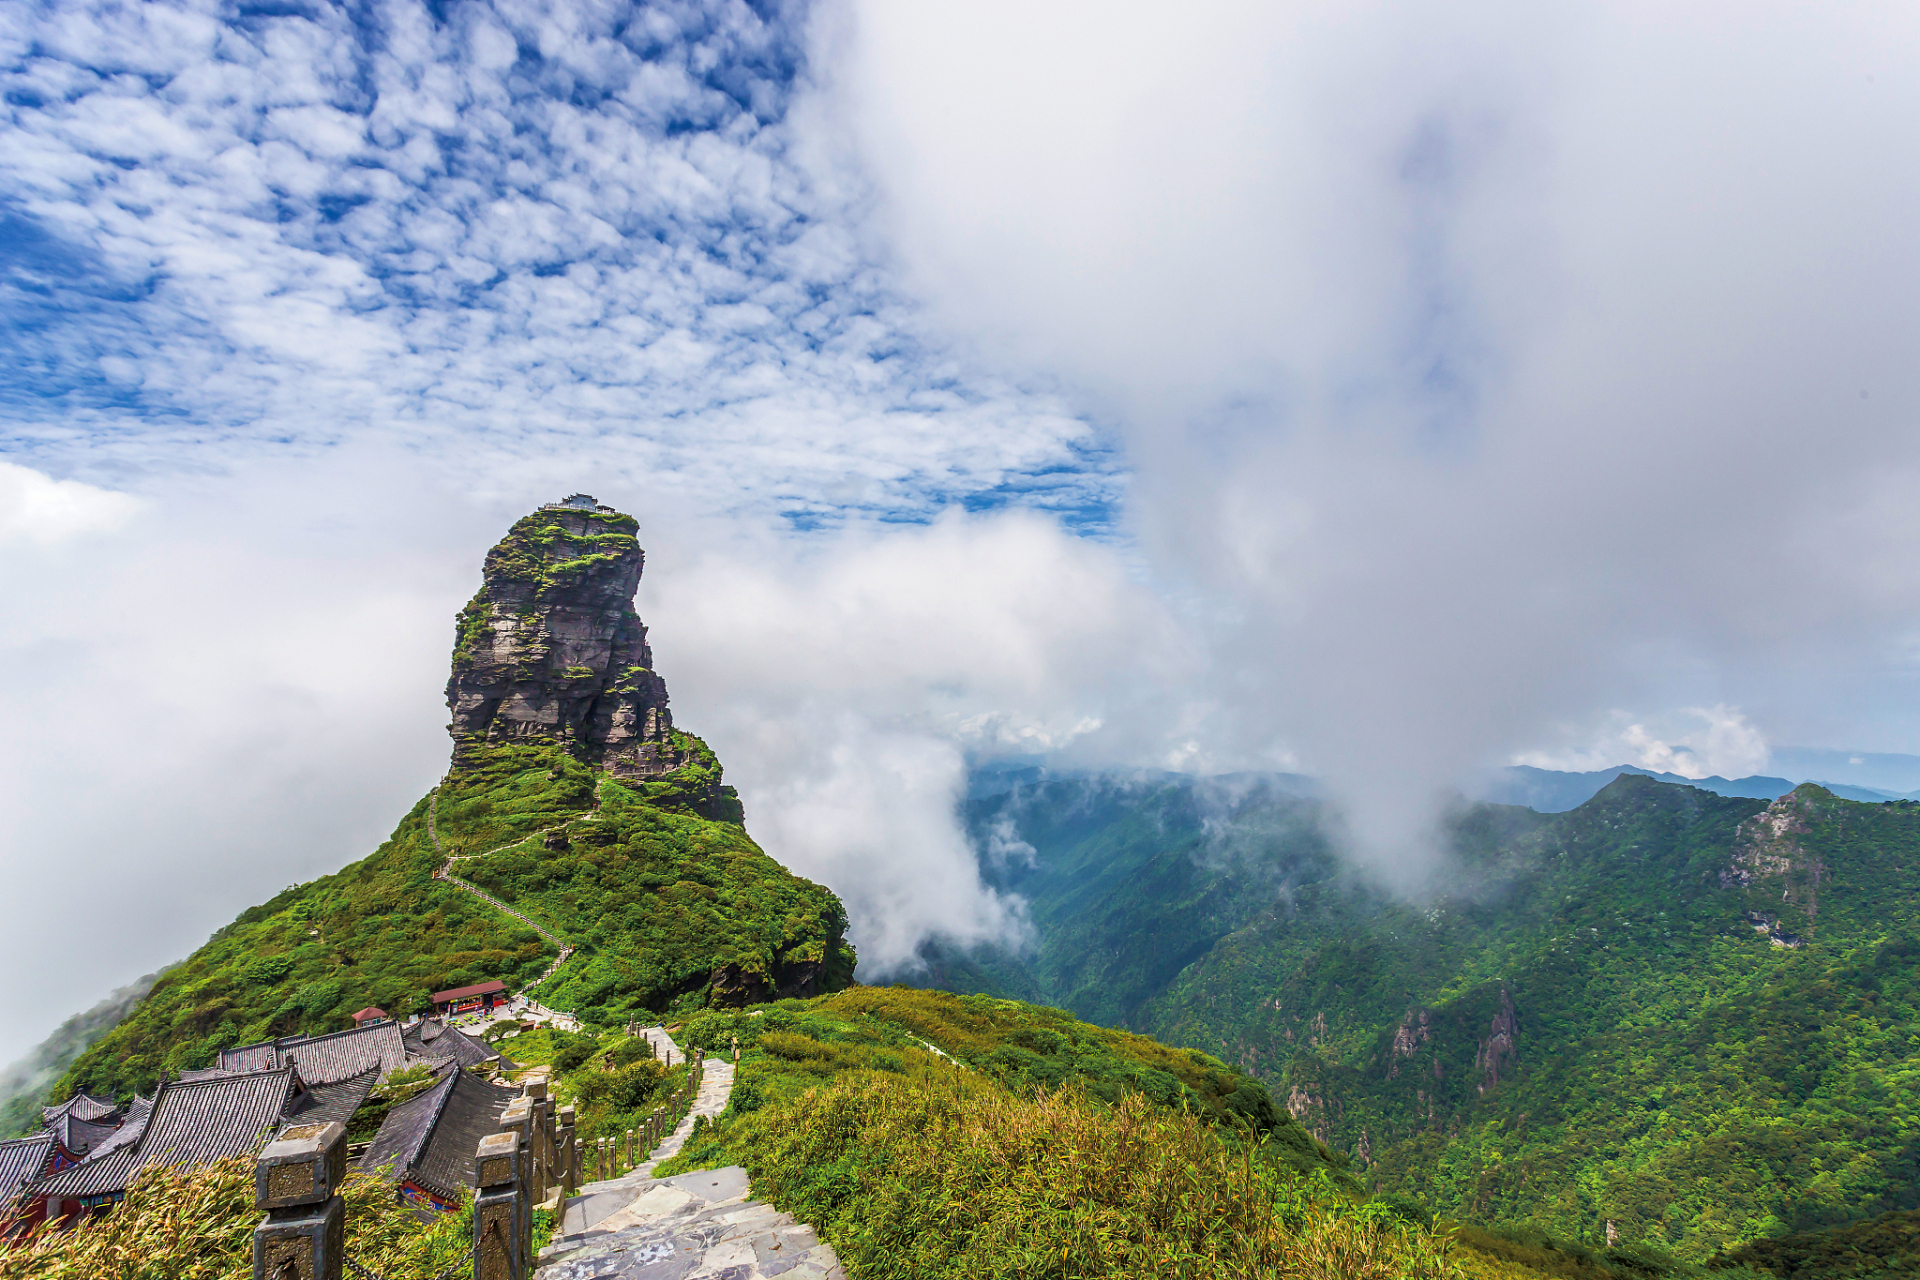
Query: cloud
39	509
494	231
1699	742
844	682
1481	369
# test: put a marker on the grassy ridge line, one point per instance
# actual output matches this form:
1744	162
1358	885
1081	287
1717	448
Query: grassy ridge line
946	1176
1656	1060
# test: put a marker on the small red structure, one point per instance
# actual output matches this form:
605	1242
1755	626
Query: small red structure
369	1014
478	998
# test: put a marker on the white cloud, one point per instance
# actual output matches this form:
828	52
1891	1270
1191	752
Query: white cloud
1483	368
37	508
1698	742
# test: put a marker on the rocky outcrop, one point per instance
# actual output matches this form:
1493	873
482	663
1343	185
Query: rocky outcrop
1499	1044
550	650
1769	856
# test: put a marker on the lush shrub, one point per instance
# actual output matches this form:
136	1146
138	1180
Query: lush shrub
198	1225
946	1174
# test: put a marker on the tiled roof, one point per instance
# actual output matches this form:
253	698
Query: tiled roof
344	1054
431	1138
324	1059
264	1056
83	1105
337	1101
21	1160
432	1041
79	1136
129	1131
193	1122
477	989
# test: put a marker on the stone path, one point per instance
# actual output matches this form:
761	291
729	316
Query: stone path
697	1226
446	873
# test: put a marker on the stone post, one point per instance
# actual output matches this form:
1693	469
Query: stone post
541	1146
296	1179
502	1219
517	1119
569	1152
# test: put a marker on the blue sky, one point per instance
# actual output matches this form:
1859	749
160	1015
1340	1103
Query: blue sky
235	230
1383	391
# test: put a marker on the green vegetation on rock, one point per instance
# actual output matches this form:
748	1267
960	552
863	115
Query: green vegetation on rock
657	899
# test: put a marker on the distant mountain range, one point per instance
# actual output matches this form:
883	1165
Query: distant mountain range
1552	791
1684	1013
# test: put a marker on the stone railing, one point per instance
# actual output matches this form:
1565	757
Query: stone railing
624	1152
532	1163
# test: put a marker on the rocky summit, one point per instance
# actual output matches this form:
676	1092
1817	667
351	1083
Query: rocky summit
580	851
550	648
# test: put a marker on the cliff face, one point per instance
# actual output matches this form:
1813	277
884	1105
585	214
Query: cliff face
550	649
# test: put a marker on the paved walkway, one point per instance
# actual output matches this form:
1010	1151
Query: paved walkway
697	1226
446	873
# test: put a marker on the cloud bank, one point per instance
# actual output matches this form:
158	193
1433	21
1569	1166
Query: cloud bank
1483	367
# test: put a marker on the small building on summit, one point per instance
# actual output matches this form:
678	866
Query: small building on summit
369	1014
481	997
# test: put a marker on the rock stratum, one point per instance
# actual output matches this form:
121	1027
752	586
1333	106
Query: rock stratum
571	798
550	648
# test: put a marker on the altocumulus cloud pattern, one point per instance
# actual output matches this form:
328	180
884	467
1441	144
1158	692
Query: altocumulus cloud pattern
485	231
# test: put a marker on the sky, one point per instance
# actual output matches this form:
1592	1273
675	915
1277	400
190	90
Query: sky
1387	392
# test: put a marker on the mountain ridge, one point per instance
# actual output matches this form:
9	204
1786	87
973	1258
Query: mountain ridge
1746	970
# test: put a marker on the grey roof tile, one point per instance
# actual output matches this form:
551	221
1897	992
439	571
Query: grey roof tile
83	1105
21	1160
324	1059
337	1101
431	1137
432	1041
193	1122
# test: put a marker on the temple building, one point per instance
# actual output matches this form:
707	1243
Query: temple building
481	997
426	1143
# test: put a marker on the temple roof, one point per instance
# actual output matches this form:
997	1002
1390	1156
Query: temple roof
22	1160
430	1138
326	1059
434	1042
193	1122
337	1101
83	1105
80	1137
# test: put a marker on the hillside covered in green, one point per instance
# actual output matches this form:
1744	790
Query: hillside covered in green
1691	1016
572	798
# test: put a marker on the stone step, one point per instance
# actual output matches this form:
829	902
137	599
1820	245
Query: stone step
697	1226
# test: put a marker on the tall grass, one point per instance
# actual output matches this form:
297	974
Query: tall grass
198	1224
944	1175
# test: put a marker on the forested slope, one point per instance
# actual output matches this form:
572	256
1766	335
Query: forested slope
1690	1015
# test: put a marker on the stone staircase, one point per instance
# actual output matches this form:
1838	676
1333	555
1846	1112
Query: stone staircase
697	1226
